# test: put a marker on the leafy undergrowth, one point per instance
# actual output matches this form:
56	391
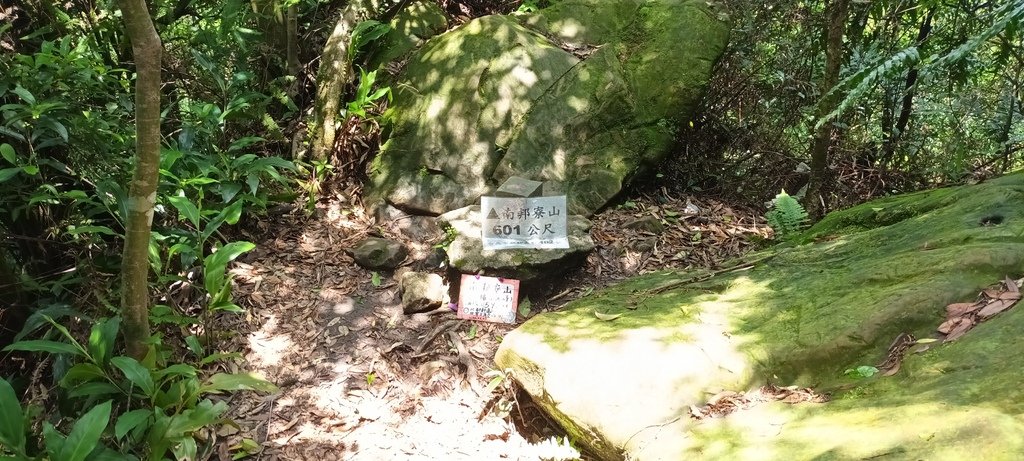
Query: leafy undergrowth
360	380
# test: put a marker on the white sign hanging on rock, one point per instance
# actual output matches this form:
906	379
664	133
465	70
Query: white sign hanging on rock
521	222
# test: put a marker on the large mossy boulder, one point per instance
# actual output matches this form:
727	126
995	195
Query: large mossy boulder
589	103
801	314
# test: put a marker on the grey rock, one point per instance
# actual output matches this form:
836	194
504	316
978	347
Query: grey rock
647	223
379	254
467	255
422	292
587	93
414	227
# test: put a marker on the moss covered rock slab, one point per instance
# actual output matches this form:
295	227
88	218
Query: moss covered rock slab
621	368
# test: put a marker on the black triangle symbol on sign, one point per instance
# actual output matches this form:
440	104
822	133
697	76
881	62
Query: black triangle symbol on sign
493	214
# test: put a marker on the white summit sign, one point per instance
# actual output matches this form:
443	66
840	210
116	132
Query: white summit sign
524	222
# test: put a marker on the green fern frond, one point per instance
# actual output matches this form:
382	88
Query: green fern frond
787	217
863	80
1011	12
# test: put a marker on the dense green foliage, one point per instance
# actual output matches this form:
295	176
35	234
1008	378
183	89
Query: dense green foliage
66	137
930	94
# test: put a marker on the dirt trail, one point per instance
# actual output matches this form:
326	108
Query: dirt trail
362	381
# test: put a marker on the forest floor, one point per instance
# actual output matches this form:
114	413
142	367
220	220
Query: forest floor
360	380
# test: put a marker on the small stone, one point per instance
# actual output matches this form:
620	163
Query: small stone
434	260
422	292
377	253
647	223
418	228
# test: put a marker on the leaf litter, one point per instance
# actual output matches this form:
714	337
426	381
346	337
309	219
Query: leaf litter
962	317
362	381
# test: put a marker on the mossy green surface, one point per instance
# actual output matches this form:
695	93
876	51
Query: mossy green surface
801	316
419	21
500	96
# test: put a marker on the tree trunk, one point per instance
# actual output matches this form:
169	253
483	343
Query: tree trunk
276	21
334	74
146	49
836	12
292	45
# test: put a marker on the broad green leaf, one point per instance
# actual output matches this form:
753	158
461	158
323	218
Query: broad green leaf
253	181
178	369
243	143
8	173
102	453
375	279
606	317
102	337
7	152
136	373
494	383
219	356
193	345
82	372
25	95
41	345
94	388
227	307
237	382
54	440
230	214
188	421
201	181
85	434
178	392
42	316
228	191
186	208
247	447
128	421
67	335
12	429
215	265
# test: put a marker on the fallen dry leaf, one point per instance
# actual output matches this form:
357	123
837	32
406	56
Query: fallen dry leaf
949	325
959	309
1011	286
606	317
992	293
963	324
996	307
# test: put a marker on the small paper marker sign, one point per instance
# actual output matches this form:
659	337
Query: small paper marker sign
491	299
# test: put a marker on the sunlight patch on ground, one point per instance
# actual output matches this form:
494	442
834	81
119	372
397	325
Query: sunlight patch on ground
268	349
